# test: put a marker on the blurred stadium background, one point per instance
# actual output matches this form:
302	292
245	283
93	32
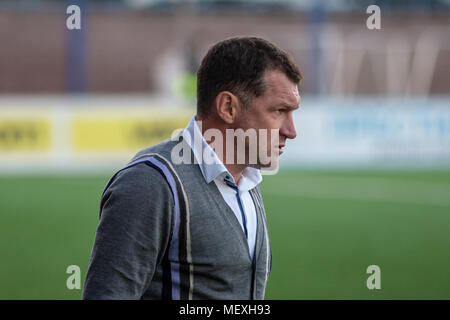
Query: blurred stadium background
366	182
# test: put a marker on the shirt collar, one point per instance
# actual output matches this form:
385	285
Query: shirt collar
250	178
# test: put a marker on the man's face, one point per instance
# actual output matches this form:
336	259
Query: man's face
273	110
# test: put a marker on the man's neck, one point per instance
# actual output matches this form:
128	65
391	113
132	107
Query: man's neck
234	169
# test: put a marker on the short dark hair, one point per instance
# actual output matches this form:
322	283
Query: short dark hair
238	65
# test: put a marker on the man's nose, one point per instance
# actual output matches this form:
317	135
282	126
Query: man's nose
288	128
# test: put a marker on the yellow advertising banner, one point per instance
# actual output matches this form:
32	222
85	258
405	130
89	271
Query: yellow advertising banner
25	135
115	133
102	132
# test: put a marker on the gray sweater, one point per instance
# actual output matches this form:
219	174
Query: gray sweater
164	233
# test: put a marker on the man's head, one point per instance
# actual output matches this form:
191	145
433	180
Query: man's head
238	65
249	83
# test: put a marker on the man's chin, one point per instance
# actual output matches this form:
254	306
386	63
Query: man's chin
269	168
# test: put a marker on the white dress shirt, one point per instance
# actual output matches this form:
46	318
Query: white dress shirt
216	171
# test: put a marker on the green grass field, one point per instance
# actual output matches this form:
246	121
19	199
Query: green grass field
326	228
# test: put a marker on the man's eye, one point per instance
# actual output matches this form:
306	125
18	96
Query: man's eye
279	111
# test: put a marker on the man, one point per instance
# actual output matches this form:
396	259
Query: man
196	229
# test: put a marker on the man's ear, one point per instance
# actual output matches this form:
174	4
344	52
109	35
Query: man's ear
227	106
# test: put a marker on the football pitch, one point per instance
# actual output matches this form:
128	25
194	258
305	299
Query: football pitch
326	228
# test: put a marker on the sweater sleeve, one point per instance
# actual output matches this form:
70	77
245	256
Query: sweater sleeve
132	235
